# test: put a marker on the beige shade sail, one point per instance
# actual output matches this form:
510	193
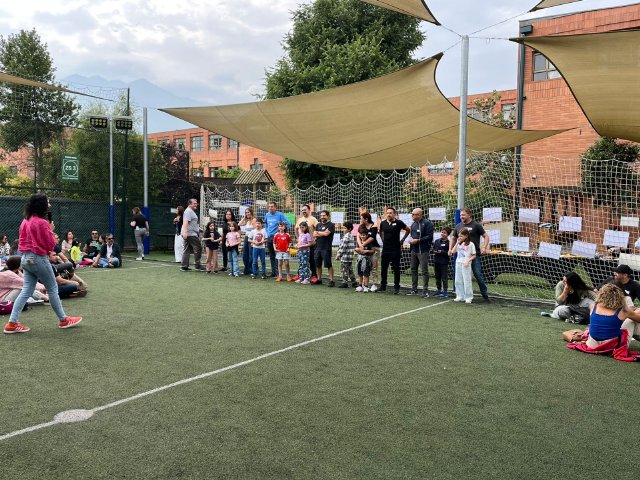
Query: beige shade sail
603	73
551	3
415	8
394	121
8	78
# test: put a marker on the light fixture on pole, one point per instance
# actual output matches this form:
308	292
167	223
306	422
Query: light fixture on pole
121	123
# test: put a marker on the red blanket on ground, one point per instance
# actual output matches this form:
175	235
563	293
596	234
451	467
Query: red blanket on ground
616	347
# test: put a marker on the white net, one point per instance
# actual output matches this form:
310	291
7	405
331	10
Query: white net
569	215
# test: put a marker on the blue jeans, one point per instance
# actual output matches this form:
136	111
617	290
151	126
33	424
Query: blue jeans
104	263
234	268
477	272
37	268
247	256
261	254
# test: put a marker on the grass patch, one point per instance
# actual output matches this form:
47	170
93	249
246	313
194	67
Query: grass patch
449	392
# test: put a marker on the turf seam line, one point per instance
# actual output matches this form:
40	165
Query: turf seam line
223	369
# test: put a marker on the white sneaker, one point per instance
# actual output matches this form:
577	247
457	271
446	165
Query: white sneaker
373	288
365	289
33	301
359	289
138	258
458	299
468	300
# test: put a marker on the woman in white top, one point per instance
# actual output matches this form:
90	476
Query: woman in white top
247	224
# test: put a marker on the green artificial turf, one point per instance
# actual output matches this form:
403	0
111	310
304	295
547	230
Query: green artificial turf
448	392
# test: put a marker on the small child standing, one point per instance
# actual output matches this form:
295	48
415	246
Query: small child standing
281	244
258	240
441	263
364	260
212	239
345	256
303	246
232	241
466	251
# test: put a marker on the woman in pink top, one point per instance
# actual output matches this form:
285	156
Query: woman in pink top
36	241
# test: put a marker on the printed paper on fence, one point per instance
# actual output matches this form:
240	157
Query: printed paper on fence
493	214
614	238
437	214
529	215
570	224
584	249
518	244
549	250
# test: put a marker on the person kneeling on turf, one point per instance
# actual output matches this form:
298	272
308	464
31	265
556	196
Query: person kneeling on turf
573	299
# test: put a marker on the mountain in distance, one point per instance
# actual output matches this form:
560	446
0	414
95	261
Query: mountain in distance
143	94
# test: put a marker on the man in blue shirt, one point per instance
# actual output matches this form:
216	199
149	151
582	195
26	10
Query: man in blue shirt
271	219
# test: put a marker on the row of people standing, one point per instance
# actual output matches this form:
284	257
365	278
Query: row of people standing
391	231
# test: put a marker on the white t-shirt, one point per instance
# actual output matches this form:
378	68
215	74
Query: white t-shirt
258	235
465	252
109	250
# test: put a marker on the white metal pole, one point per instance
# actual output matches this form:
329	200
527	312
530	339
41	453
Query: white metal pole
462	145
145	157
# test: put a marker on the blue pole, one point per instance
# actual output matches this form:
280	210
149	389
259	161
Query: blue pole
147	240
112	219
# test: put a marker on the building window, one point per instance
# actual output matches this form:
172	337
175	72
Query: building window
445	168
196	172
543	69
212	171
13	170
197	144
474	113
215	142
181	143
256	165
232	144
509	111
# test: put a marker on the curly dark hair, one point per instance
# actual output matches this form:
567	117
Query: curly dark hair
38	205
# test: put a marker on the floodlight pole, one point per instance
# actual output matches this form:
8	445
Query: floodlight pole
112	207
462	143
145	176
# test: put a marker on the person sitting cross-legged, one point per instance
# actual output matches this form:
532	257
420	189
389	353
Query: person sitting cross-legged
109	255
573	299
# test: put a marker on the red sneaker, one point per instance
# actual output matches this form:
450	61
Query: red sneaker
69	322
296	277
15	328
314	279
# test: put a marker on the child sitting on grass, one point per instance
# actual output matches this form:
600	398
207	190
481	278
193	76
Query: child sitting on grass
345	256
364	260
281	243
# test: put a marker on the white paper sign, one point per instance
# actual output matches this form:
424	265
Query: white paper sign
241	210
492	214
613	238
437	214
494	237
629	221
436	236
337	217
549	250
374	217
570	224
529	215
336	240
637	244
584	249
406	218
518	244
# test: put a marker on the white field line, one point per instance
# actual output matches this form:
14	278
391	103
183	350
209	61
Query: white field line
221	370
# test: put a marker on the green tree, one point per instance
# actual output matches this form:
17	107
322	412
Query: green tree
608	177
334	43
29	115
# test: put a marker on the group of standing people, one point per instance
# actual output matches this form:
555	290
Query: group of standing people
372	246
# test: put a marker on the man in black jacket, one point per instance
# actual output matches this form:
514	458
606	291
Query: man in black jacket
420	246
109	256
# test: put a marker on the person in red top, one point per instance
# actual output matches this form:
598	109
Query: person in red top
36	241
281	243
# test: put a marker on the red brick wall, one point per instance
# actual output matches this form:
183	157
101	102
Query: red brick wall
225	157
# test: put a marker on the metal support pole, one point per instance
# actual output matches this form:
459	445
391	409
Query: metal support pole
462	144
518	159
112	208
145	169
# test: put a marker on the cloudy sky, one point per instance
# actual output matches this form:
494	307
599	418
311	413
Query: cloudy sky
215	51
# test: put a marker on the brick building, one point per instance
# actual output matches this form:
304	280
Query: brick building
210	152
